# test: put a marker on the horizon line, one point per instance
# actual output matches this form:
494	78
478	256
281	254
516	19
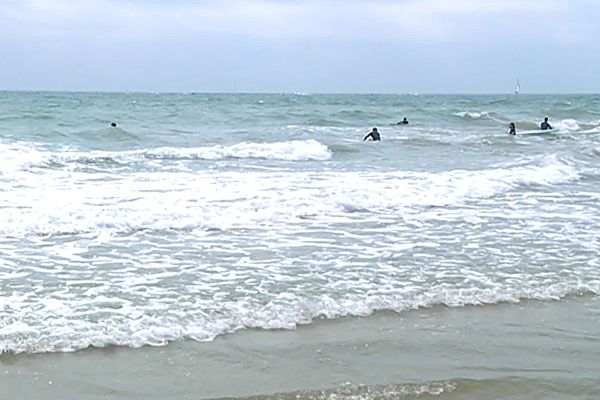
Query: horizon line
299	93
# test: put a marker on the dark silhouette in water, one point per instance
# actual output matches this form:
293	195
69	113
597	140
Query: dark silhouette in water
403	122
374	134
545	125
512	130
113	124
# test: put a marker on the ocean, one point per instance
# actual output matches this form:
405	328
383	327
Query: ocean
252	246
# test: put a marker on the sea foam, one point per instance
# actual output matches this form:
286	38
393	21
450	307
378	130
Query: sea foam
99	202
23	156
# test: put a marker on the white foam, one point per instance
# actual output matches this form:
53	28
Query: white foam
297	150
147	266
478	115
568	125
473	114
34	330
59	202
22	156
595	129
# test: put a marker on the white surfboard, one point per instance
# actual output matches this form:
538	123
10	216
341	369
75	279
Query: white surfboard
538	132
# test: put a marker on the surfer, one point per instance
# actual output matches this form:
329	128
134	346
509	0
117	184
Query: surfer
403	122
374	135
113	124
545	125
512	130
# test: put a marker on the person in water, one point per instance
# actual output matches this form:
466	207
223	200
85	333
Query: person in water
512	130
403	122
374	135
113	124
545	125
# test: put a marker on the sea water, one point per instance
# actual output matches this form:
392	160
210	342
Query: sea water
200	215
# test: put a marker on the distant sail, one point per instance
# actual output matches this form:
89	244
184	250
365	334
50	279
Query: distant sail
518	87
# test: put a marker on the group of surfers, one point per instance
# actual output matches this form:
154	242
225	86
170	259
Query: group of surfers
374	134
544	126
512	130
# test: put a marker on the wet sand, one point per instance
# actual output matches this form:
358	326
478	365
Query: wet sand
551	348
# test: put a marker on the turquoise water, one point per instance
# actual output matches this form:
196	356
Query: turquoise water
200	215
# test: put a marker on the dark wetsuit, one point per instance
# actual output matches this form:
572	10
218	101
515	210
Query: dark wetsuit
545	126
374	135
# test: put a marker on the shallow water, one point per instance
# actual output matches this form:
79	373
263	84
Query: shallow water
530	350
201	215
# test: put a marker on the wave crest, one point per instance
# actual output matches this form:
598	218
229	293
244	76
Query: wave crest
22	156
478	115
56	326
296	150
90	203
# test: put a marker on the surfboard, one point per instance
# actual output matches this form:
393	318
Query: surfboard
538	132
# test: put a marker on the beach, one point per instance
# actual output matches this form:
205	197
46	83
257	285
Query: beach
254	246
509	351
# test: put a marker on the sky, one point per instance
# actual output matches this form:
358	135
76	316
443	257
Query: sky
312	46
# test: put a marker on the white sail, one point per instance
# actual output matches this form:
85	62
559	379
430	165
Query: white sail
518	87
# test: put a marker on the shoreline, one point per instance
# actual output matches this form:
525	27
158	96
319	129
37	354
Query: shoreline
434	346
316	321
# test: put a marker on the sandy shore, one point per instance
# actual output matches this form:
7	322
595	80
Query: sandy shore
533	341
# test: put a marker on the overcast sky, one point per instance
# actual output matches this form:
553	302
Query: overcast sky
402	46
